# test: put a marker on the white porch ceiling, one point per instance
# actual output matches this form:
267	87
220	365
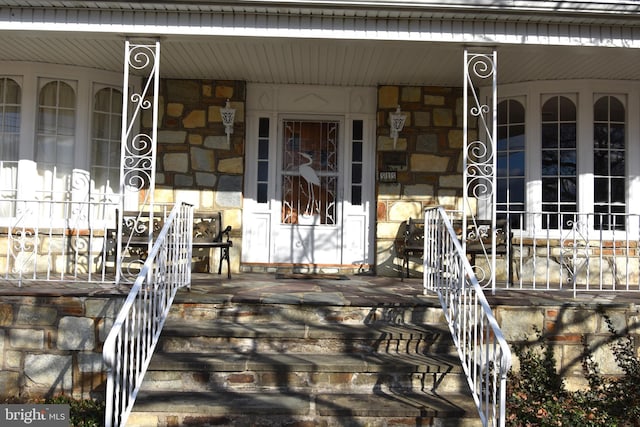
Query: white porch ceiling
323	61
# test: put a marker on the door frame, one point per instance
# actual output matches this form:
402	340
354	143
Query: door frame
274	103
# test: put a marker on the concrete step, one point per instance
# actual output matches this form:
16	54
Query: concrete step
222	408
309	373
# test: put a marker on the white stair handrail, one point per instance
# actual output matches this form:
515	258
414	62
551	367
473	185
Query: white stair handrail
132	340
483	350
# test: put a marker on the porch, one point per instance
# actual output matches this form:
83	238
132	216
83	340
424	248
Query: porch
31	316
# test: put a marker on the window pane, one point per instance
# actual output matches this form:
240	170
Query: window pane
600	135
549	162
618	190
617	164
357	130
49	95
601	190
567	110
65	150
66	122
568	162
46	149
516	163
356	174
617	113
103	101
516	112
516	191
503	141
502	165
549	190
101	126
568	190
550	110
357	151
356	195
263	149
11	92
263	128
67	96
568	135
516	137
617	137
262	193
100	155
47	120
601	163
11	119
549	136
601	110
501	195
263	171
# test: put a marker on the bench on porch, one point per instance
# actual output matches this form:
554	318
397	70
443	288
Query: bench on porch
477	238
207	234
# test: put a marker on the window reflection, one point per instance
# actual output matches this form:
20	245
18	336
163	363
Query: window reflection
511	160
609	162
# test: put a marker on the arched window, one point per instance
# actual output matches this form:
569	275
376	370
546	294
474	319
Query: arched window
10	99
609	168
55	137
559	162
511	160
105	141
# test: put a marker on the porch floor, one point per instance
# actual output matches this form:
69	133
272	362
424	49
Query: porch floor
354	290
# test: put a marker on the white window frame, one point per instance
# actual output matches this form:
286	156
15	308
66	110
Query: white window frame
584	92
86	82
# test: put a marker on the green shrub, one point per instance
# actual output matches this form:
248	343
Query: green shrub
537	396
83	412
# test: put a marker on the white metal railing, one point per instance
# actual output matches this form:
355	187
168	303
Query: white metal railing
483	351
571	251
130	344
57	240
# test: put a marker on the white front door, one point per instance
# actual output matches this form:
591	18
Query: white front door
309	230
309	193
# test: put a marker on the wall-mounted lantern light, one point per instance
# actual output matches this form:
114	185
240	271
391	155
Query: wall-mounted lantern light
228	116
396	120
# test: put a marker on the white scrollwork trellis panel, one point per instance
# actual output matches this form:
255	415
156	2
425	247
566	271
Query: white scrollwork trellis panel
479	170
138	153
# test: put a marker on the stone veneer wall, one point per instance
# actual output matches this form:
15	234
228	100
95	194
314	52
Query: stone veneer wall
567	328
195	161
427	159
52	345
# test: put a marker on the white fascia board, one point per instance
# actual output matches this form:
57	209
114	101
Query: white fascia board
158	24
582	7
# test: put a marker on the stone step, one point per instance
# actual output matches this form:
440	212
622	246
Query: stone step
264	312
305	372
223	335
262	364
223	408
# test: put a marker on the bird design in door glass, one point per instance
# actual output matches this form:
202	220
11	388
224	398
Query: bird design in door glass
310	175
309	172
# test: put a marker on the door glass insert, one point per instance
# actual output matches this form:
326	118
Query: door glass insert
310	172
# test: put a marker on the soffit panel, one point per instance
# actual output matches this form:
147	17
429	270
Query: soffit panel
324	62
